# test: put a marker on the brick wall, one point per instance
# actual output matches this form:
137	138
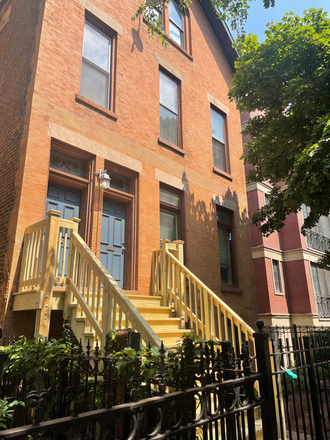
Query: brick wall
135	133
18	43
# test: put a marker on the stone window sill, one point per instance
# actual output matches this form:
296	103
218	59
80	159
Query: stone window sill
171	146
222	173
230	289
98	108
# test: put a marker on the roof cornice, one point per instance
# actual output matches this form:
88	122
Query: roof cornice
221	32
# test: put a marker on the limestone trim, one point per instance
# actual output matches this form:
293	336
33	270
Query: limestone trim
303	254
286	256
217	103
267	252
263	187
225	203
169	67
87	4
171	180
77	140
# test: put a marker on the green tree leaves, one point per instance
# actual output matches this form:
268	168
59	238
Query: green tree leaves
234	12
286	80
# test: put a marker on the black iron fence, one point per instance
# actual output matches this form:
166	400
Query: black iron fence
301	376
202	391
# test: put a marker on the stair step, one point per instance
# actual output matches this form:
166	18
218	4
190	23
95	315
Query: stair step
80	319
168	324
90	335
171	338
145	300
152	312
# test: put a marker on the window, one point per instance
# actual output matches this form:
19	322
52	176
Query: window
322	227
321	285
321	280
118	182
169	92
155	15
218	141
224	218
277	276
170	213
97	70
174	21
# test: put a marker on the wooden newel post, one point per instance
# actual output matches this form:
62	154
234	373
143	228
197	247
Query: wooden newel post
266	386
179	250
164	266
48	273
180	256
75	227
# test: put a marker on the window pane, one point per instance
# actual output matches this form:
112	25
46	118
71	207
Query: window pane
219	155
304	211
315	280
176	34
175	14
168	126
224	237
96	47
327	278
322	282
223	216
326	227
168	225
118	182
94	84
169	197
153	14
66	163
217	126
168	92
277	276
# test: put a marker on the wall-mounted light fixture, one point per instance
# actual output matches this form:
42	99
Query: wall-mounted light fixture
104	179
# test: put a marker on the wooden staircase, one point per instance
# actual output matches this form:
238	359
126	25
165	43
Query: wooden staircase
167	327
161	319
77	283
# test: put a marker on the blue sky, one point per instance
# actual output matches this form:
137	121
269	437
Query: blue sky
259	17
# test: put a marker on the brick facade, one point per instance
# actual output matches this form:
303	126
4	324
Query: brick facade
19	41
129	140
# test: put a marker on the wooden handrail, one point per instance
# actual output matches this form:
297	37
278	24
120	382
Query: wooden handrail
207	314
91	285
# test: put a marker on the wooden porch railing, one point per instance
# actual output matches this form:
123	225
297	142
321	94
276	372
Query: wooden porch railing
206	313
55	255
99	297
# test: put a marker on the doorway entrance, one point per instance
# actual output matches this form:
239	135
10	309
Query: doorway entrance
113	239
67	200
64	199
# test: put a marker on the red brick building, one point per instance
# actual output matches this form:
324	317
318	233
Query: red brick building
83	89
290	288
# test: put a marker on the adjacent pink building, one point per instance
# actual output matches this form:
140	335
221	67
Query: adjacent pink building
290	288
